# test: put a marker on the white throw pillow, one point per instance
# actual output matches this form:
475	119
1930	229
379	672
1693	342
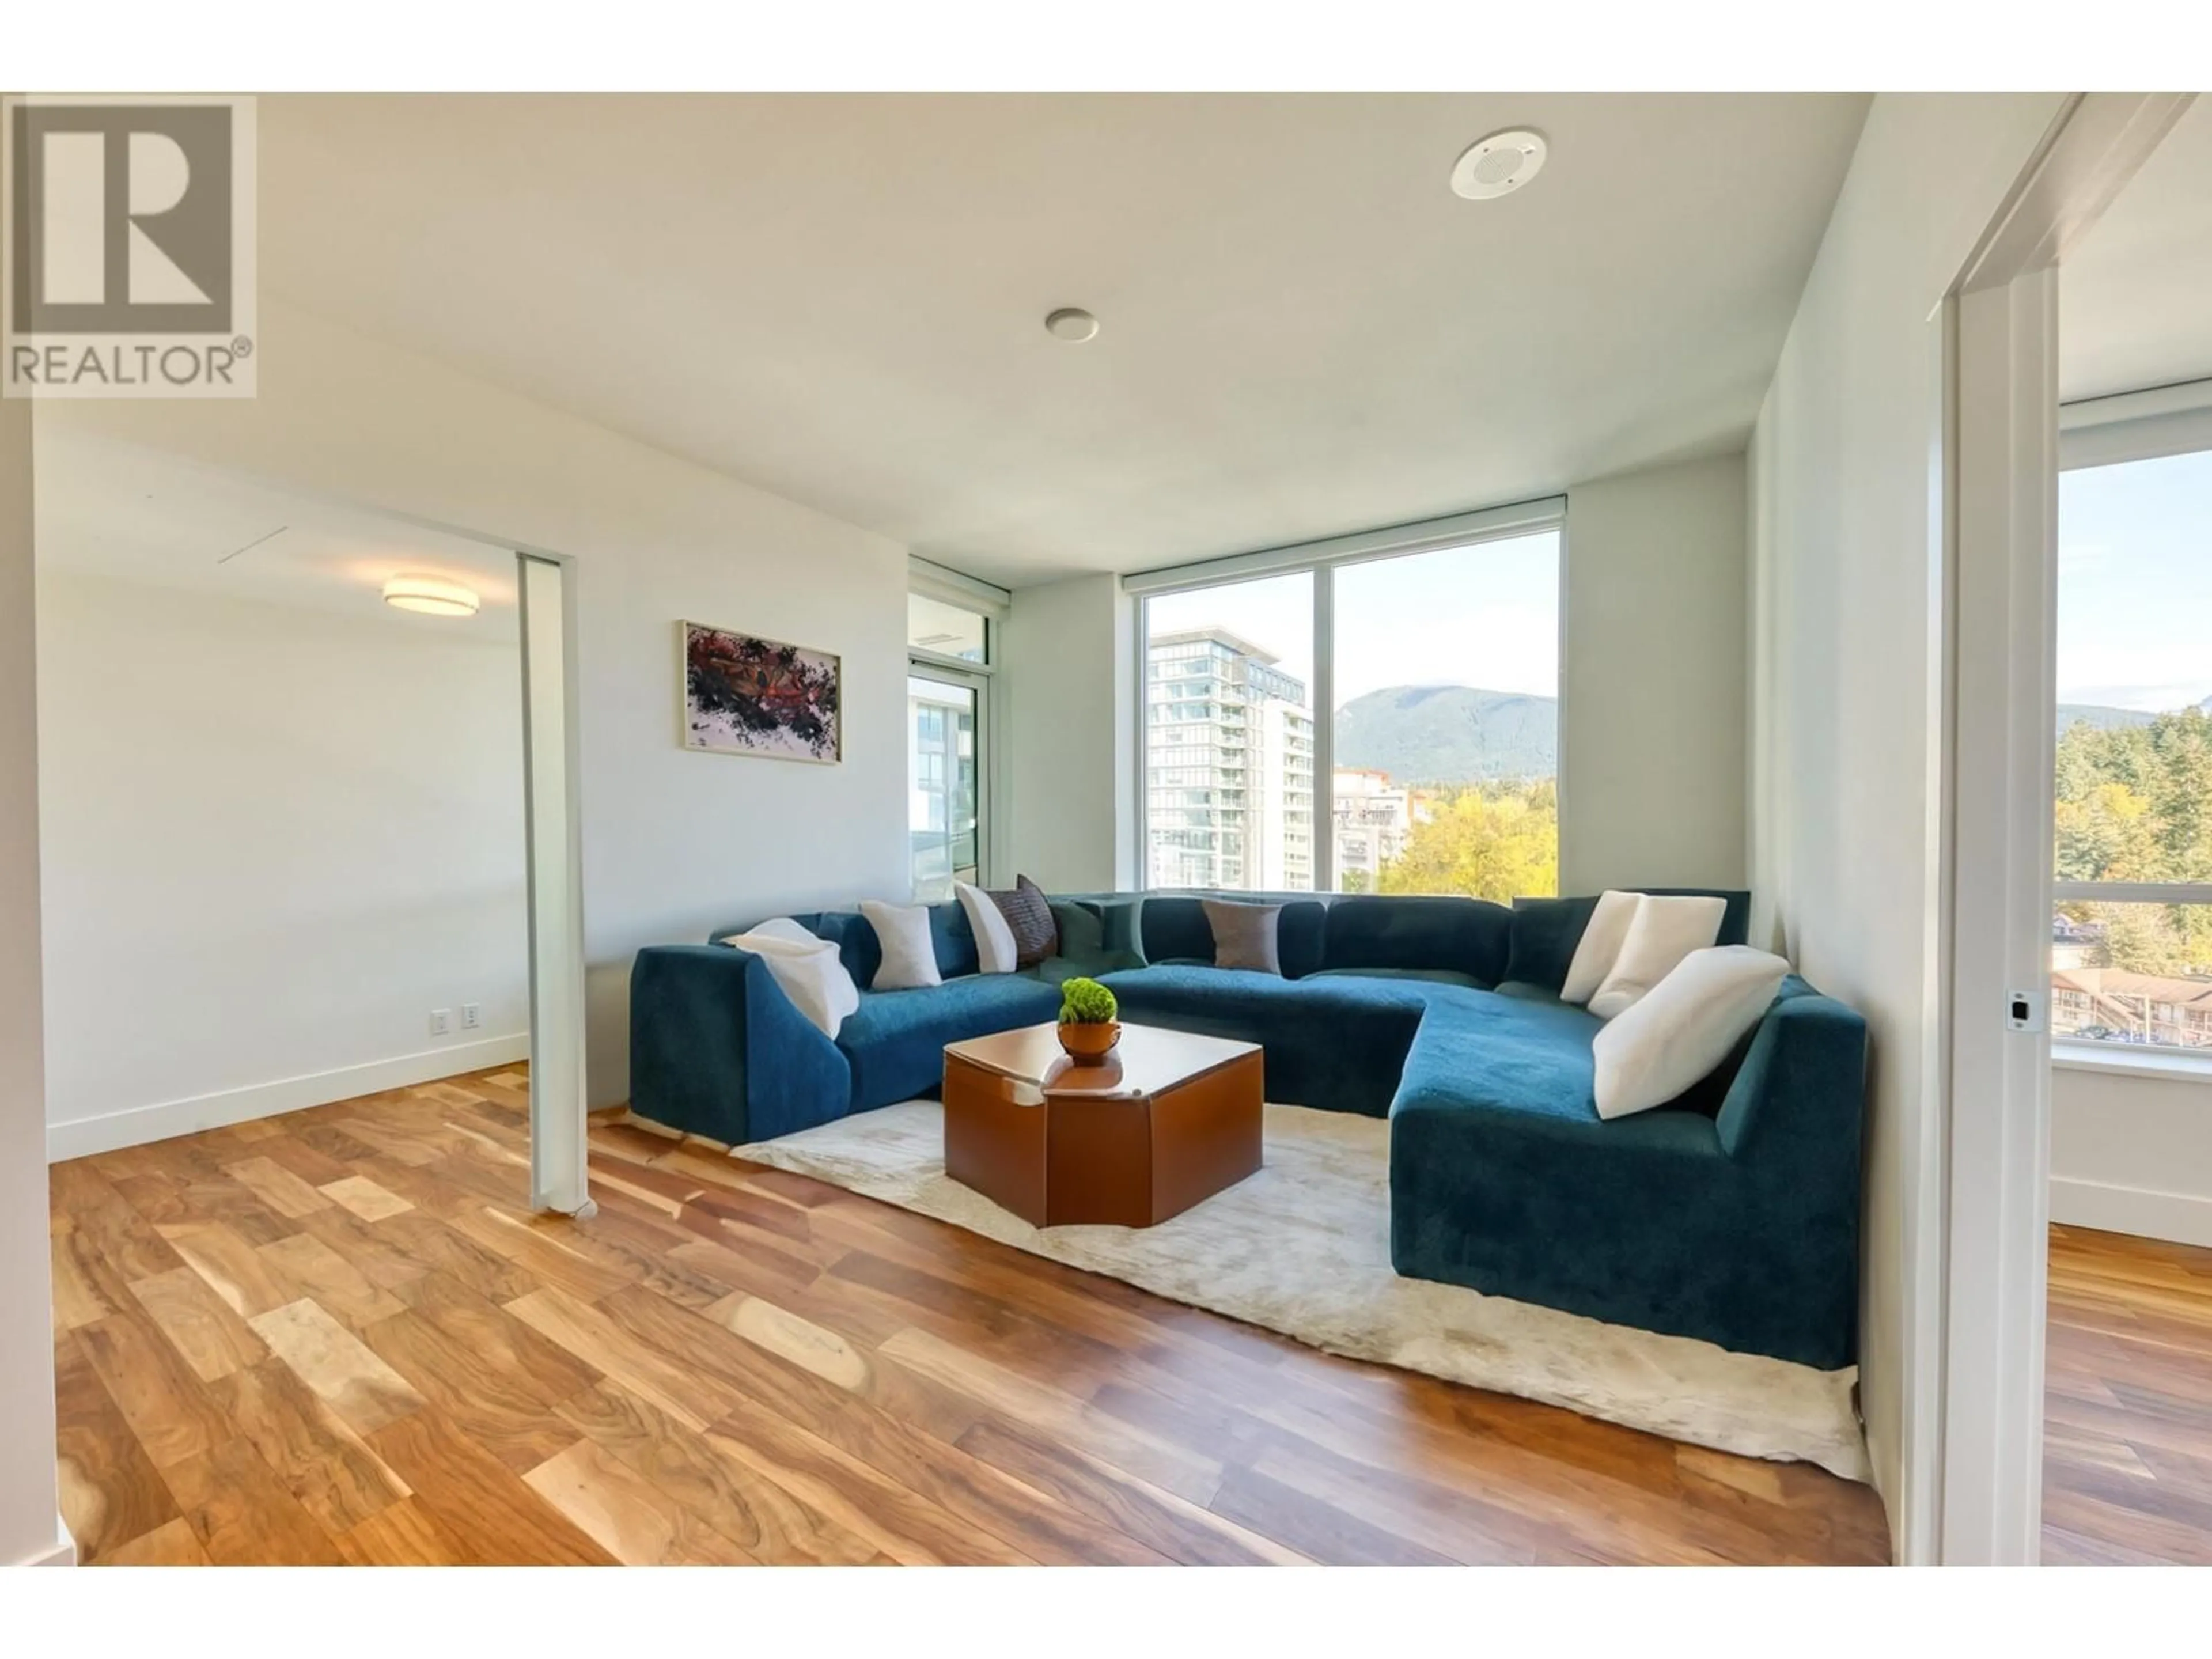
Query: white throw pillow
809	970
1665	930
995	949
1599	947
1683	1028
909	957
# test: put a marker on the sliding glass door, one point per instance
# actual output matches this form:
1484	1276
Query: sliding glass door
944	719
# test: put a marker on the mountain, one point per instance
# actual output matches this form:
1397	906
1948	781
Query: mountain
2105	719
1448	734
2097	715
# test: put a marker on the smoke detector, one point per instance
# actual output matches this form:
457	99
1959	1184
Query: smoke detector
1499	165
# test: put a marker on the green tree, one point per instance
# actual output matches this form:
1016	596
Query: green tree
2107	833
2142	938
1493	840
2135	802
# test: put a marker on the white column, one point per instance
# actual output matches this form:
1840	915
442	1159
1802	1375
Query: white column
2002	606
28	1528
557	1103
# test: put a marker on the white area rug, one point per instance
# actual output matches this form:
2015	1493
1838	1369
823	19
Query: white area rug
1303	1247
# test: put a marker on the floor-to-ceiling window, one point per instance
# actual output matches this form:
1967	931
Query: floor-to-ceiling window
2131	938
947	702
1447	722
1378	720
1228	736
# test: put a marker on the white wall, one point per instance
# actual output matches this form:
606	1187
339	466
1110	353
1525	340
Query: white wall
1845	683
1652	683
1071	687
28	1510
2132	1152
275	838
674	842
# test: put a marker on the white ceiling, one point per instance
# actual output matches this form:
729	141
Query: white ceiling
2135	300
118	510
1303	331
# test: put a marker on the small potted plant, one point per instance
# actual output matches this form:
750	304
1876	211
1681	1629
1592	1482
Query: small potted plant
1089	1027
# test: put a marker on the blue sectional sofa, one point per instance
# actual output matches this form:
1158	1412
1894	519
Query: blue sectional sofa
1731	1214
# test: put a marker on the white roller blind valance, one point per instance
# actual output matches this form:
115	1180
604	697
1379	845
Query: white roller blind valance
1490	524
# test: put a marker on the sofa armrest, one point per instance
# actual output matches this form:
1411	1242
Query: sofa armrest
1799	1099
717	1050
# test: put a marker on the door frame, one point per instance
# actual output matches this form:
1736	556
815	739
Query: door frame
553	854
578	1126
1998	586
978	679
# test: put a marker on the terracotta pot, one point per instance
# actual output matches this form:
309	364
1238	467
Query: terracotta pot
1088	1045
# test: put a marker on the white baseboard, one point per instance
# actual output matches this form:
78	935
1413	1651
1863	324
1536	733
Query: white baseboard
62	1553
84	1136
2178	1218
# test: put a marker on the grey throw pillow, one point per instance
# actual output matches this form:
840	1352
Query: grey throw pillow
1244	935
1030	918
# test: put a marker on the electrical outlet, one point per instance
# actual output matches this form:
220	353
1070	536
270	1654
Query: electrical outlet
472	1016
441	1022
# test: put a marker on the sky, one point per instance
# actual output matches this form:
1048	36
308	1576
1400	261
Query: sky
2135	583
1486	616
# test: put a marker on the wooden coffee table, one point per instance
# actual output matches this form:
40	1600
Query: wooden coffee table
1170	1119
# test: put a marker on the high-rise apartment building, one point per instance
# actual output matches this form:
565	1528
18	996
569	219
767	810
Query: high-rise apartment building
1228	765
1372	818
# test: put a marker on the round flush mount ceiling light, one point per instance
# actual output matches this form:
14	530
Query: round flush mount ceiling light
433	596
1499	165
1071	325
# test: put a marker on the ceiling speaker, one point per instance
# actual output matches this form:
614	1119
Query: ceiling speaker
1499	165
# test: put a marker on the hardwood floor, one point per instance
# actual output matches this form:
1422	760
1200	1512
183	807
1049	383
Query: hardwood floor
2127	1450
337	1336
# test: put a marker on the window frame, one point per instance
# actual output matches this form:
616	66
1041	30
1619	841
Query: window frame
1545	515
2119	430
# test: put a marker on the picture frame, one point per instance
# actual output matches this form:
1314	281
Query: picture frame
742	693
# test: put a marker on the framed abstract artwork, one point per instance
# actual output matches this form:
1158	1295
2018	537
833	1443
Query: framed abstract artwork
746	696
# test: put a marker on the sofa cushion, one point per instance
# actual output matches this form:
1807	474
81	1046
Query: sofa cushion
1598	948
854	938
1172	927
1545	934
910	952
1080	932
1423	975
1662	932
1029	916
1681	1031
1468	937
895	1040
1544	930
1512	1054
1244	934
1336	1043
951	940
996	950
807	968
